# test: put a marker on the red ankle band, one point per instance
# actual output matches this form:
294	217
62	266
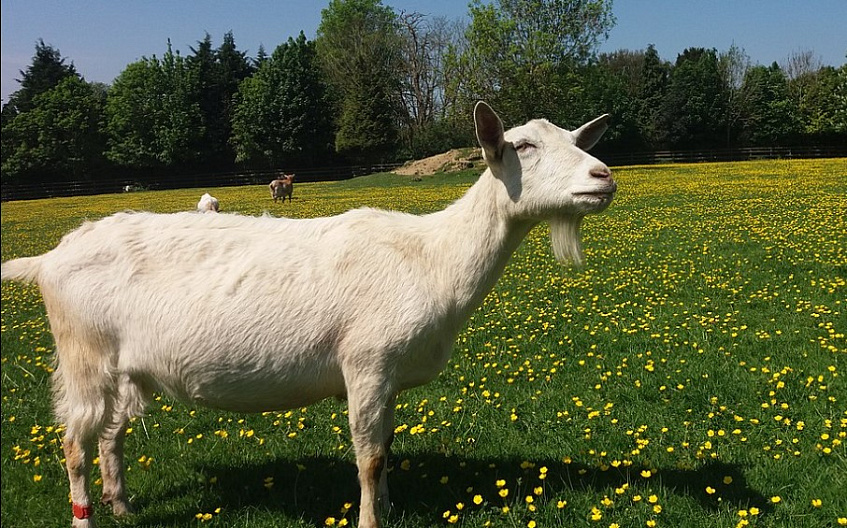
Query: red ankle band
83	512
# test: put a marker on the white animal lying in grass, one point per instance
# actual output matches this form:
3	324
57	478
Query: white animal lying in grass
372	302
208	204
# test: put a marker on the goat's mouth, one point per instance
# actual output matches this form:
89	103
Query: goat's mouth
596	196
596	200
606	192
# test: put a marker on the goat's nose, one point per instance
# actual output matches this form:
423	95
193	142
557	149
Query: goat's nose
600	172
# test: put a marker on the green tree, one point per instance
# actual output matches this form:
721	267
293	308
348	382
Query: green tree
358	46
815	95
613	85
153	117
233	68
367	126
261	56
218	74
655	76
840	100
59	137
46	71
770	117
522	54
210	99
694	108
282	116
733	64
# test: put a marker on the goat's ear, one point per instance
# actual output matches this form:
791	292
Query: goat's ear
589	134
489	131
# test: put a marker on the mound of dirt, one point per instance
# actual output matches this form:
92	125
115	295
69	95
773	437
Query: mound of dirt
452	160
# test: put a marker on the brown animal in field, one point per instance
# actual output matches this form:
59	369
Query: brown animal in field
282	187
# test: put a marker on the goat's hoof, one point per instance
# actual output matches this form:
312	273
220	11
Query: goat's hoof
120	507
83	523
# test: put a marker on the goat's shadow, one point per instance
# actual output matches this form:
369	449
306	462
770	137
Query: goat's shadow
313	488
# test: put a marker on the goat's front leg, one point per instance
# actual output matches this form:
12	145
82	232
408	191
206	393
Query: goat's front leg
370	408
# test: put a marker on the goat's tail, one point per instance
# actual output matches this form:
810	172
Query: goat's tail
26	269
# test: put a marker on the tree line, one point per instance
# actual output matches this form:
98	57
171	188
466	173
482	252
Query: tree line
380	85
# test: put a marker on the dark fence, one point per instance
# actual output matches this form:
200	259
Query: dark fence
712	155
233	179
33	191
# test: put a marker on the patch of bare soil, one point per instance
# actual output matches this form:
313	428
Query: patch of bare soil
452	160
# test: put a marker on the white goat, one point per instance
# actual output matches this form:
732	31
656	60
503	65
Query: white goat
282	187
377	301
208	204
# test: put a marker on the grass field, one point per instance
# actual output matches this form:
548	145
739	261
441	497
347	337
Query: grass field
692	374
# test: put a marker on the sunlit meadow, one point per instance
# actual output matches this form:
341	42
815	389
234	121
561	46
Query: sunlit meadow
692	374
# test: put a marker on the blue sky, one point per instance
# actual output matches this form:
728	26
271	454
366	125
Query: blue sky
102	37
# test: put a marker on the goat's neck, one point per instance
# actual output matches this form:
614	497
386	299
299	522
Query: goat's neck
478	237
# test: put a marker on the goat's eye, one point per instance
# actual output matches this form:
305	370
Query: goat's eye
524	146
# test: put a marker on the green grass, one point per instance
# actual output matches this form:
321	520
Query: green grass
692	374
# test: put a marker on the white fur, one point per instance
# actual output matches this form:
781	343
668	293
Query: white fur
208	204
360	305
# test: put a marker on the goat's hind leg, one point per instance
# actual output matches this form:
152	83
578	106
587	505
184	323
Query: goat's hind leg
79	452
83	398
130	402
84	393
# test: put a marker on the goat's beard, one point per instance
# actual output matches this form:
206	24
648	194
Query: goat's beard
564	237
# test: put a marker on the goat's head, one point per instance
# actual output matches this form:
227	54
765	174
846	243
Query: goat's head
548	174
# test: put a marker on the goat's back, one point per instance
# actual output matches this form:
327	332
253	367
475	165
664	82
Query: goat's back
194	302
